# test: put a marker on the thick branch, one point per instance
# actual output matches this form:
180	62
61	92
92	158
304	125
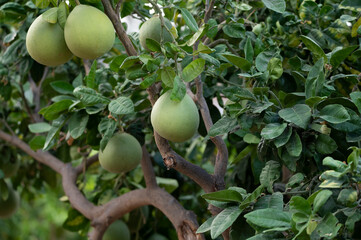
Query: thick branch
148	171
184	221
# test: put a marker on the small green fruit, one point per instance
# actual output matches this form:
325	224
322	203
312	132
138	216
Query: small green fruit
88	32
9	206
157	236
122	153
10	167
118	230
175	121
46	44
151	29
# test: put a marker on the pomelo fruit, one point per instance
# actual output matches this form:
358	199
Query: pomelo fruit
118	230
152	29
88	32
9	206
46	44
122	153
175	121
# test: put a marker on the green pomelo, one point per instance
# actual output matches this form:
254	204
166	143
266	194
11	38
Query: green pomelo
152	29
88	32
118	230
9	206
10	167
46	44
175	121
157	236
122	153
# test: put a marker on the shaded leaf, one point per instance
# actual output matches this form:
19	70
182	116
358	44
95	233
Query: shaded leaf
300	115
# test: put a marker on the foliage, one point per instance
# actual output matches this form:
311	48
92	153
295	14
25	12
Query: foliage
286	75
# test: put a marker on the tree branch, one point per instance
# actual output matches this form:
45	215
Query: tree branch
148	171
89	161
115	19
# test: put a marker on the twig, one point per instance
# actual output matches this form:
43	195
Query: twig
221	40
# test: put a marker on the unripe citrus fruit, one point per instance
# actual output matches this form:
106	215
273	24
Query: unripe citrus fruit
88	32
122	153
9	206
157	236
118	230
152	29
46	44
10	167
175	121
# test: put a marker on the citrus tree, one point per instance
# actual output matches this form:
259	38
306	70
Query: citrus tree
223	119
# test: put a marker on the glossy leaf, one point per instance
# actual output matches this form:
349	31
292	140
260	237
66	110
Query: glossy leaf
192	70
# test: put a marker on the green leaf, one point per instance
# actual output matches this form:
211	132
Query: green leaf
273	130
295	180
275	68
206	226
168	184
274	201
121	106
39	127
251	139
300	115
179	90
51	15
321	199
356	99
129	61
222	126
334	164
75	221
234	30
263	59
283	138
89	96
195	37
269	218
151	45
351	220
189	19
62	14
62	87
347	197
77	124
270	173
210	59
354	158
90	79
325	144
224	196
148	81
42	3
314	48
328	227
56	109
252	197
294	145
167	75
340	55
334	113
300	209
194	69
351	5
248	50
37	142
106	127
224	220
239	62
53	132
275	5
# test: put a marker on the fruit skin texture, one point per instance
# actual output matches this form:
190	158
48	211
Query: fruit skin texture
118	230
122	153
46	44
175	121
151	29
88	32
10	205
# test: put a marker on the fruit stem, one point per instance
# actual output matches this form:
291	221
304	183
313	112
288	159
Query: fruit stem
77	2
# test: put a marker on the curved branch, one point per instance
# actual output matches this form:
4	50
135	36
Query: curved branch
184	221
88	162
